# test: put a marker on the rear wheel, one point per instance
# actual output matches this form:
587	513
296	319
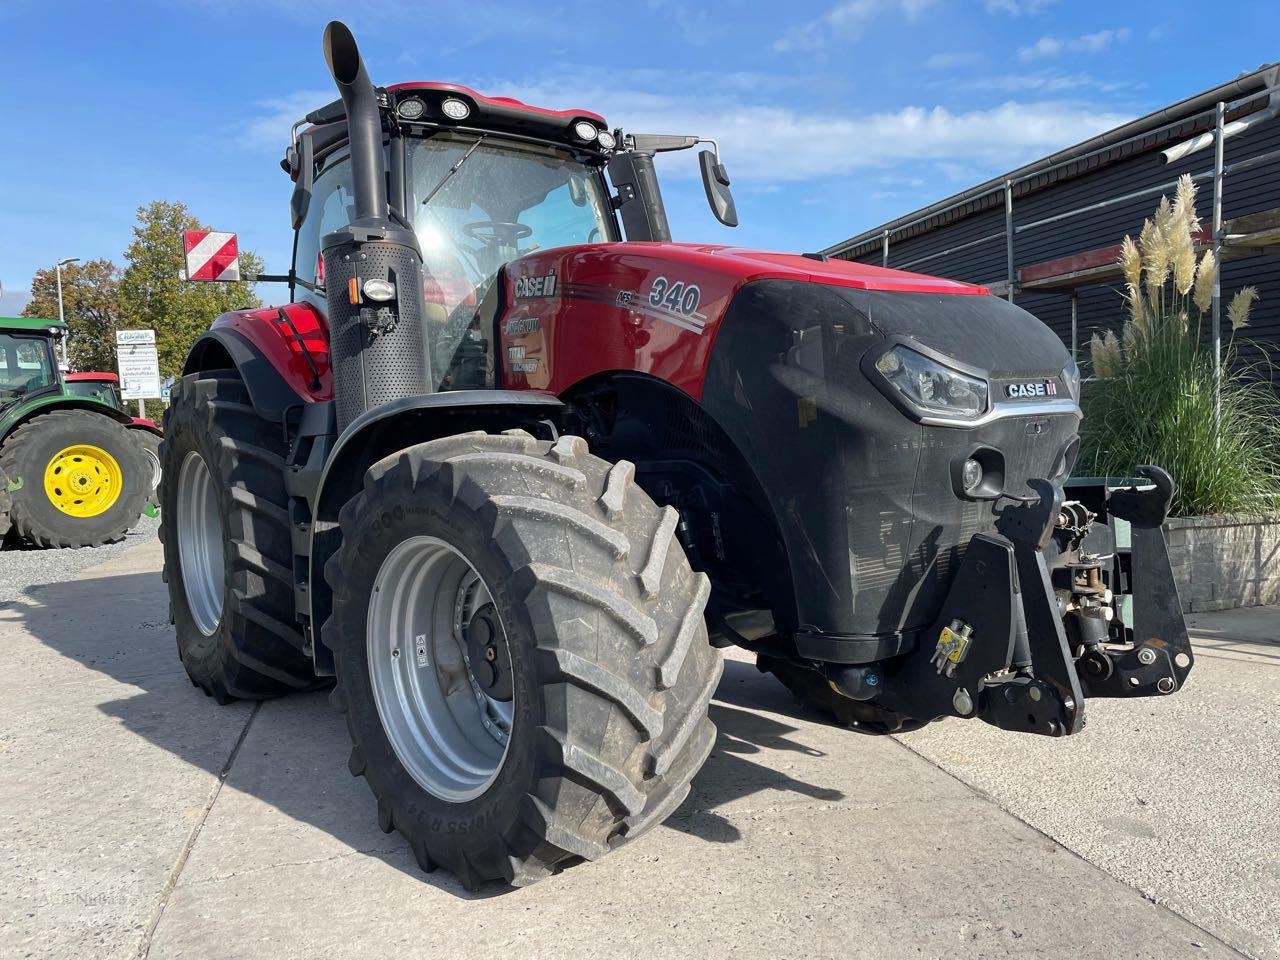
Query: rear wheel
76	479
228	555
520	653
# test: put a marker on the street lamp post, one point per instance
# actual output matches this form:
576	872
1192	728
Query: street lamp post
58	270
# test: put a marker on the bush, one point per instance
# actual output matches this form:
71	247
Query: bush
1152	399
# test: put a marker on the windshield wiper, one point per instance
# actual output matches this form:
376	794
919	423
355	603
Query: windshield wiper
452	170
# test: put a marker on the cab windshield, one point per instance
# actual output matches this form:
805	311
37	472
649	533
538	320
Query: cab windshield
505	200
26	365
104	391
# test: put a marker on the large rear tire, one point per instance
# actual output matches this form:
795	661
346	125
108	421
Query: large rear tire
592	613
228	556
76	479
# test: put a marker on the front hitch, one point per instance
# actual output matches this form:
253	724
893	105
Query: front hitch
1032	624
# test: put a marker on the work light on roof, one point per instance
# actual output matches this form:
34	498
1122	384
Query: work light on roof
606	140
456	109
584	130
411	109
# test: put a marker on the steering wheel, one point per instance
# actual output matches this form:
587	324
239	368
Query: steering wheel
497	231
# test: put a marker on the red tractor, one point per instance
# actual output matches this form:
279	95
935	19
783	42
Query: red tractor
512	464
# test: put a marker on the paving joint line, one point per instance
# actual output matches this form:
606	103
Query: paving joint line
175	872
978	791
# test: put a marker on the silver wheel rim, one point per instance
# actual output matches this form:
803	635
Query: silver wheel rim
450	736
154	461
200	543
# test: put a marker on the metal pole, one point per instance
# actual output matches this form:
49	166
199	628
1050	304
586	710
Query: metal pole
1008	238
1217	256
884	253
142	409
1075	325
61	319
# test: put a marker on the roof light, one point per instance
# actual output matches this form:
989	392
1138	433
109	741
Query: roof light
455	109
606	140
584	130
411	109
379	290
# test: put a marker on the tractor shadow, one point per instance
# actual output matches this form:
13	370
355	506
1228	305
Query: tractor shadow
293	755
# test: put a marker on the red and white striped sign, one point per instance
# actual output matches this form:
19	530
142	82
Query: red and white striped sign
211	255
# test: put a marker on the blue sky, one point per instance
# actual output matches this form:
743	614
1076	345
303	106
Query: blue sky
833	116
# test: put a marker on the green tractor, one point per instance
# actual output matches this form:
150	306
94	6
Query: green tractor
105	388
71	471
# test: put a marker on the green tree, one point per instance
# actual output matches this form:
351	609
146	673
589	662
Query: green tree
153	296
91	305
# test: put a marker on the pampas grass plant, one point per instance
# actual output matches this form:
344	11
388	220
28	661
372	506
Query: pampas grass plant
1152	397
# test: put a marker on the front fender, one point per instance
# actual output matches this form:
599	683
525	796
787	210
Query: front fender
379	433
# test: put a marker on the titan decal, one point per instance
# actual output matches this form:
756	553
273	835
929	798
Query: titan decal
517	362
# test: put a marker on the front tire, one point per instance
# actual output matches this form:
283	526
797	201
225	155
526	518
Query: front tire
228	555
76	479
600	616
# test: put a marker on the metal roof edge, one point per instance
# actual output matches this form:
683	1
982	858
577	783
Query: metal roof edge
1243	85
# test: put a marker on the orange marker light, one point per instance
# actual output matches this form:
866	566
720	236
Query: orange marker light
353	290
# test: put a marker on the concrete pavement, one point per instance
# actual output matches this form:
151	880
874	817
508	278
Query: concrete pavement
137	818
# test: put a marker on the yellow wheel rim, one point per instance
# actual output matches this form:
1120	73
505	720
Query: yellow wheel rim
83	480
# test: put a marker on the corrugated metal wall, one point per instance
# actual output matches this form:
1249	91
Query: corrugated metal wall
1100	307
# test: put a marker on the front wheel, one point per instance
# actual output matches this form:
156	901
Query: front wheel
520	652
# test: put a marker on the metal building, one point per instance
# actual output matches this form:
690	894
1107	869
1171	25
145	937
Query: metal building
1048	234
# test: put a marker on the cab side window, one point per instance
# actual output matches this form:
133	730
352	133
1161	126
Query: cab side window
332	206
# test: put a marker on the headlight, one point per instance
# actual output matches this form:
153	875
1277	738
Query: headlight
931	387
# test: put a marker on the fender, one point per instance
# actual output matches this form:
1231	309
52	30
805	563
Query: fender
379	433
219	348
59	401
147	426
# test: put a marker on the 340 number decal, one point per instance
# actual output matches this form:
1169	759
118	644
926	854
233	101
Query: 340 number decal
678	297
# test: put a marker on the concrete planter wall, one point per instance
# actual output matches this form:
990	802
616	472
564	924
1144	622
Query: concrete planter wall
1225	561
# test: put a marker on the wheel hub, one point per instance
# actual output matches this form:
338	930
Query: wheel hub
83	480
440	668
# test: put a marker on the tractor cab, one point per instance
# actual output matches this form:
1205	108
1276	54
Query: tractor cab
103	387
481	181
28	363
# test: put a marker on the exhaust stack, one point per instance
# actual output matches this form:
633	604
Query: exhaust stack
378	346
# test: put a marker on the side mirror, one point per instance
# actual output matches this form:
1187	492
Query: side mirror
304	181
716	182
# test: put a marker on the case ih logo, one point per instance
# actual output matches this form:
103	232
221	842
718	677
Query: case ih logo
537	286
211	255
1030	390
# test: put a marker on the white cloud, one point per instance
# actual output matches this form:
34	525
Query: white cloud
13	298
269	130
952	61
1047	47
1018	8
845	22
1038	83
764	142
